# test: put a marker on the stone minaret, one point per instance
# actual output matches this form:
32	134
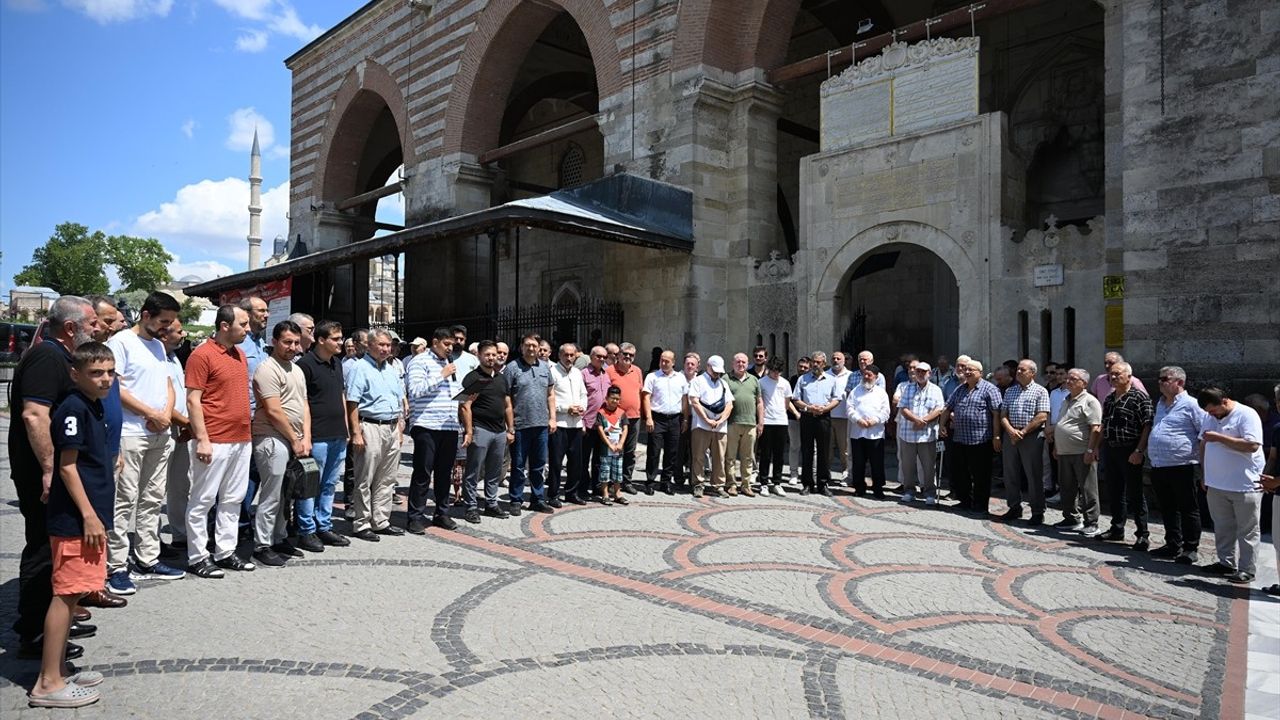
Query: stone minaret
255	204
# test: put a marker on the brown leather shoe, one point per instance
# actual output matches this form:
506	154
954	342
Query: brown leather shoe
732	490
747	491
103	599
82	615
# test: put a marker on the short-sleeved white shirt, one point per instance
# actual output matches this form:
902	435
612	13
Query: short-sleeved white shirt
774	393
666	391
707	393
143	368
1232	470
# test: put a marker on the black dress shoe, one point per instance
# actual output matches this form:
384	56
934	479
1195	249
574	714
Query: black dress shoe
1142	544
103	599
1115	534
416	527
628	488
82	630
286	549
233	562
541	507
472	516
1010	516
443	521
877	494
496	512
268	556
1036	520
824	490
310	543
805	490
332	539
667	489
391	530
1167	551
34	649
555	503
648	488
367	535
514	509
574	499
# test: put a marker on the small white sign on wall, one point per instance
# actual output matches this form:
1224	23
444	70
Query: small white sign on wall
1048	275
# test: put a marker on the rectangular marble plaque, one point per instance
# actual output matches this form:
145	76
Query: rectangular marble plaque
935	94
1048	275
856	116
900	188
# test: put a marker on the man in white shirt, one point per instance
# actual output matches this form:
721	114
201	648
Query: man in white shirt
839	420
661	407
1231	452
867	406
571	403
775	393
710	403
146	392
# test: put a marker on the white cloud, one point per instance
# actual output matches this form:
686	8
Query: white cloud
242	123
204	269
108	11
189	128
252	41
287	22
247	9
209	220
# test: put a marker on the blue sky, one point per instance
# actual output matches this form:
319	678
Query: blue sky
135	116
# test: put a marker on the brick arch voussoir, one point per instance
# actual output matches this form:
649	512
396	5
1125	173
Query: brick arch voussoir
494	51
343	139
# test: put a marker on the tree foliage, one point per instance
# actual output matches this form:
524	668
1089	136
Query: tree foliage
141	262
190	311
70	262
73	262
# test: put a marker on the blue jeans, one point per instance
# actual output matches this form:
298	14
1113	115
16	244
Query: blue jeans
530	446
316	514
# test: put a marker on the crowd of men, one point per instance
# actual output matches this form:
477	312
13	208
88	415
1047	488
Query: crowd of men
250	435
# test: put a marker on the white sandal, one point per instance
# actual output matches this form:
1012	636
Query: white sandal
70	696
86	678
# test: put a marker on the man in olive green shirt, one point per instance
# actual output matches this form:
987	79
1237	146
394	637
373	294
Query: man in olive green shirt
1076	437
745	424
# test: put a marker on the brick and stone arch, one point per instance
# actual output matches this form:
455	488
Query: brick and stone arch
971	278
503	36
358	129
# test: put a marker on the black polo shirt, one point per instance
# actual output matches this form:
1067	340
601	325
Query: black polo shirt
79	424
325	395
489	409
42	376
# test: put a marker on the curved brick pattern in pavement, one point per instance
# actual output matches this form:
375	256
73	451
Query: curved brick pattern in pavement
721	608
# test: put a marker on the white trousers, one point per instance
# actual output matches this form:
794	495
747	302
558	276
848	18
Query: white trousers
221	484
139	495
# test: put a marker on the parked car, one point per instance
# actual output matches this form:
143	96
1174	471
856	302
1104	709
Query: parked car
15	338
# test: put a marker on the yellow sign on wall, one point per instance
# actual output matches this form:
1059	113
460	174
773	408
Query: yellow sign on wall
1113	332
1113	287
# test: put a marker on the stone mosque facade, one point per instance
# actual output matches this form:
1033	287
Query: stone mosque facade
1003	179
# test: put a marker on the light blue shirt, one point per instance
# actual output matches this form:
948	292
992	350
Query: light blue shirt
377	391
255	351
818	391
1175	432
431	403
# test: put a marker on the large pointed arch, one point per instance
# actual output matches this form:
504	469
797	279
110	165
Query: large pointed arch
368	92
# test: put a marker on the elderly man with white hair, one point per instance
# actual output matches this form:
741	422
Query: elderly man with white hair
1076	437
1022	419
1126	423
974	413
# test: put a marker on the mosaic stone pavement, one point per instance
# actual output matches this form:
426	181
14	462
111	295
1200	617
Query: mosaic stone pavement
718	608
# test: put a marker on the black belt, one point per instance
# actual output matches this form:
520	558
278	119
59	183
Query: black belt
666	416
392	421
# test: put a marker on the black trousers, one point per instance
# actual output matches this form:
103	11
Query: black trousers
433	455
1124	488
862	451
1179	505
629	449
773	454
684	466
664	441
815	438
971	475
592	450
566	445
35	571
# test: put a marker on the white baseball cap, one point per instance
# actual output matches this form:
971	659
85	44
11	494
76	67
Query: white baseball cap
715	364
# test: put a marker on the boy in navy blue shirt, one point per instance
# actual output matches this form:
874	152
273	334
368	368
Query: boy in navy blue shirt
81	500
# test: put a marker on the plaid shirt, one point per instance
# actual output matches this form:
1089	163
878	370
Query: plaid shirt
1124	417
920	401
971	410
1021	405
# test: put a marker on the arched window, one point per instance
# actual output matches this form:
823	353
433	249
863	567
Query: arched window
571	164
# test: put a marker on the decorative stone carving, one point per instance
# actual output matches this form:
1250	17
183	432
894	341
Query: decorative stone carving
904	89
775	269
1053	236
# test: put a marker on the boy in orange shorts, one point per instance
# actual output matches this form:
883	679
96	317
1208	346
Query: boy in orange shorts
80	509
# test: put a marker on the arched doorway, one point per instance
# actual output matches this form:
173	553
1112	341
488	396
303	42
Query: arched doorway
901	298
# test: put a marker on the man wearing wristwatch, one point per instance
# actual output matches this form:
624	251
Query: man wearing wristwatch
1126	424
1076	437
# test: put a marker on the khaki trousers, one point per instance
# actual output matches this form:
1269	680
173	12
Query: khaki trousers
139	496
740	455
375	471
701	441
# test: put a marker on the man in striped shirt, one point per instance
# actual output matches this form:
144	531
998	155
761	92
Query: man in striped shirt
431	382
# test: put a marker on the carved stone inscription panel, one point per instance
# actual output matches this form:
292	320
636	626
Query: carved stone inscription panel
899	188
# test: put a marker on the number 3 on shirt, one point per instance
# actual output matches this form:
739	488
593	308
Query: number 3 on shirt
72	426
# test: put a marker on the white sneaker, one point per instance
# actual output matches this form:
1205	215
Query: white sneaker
1091	531
764	489
779	491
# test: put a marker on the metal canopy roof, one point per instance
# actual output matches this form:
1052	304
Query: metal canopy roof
621	208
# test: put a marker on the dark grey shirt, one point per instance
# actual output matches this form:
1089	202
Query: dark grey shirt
528	386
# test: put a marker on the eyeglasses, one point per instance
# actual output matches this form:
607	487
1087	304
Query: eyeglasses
1168	378
626	354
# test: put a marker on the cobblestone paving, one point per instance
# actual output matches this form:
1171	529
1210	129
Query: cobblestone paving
719	608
